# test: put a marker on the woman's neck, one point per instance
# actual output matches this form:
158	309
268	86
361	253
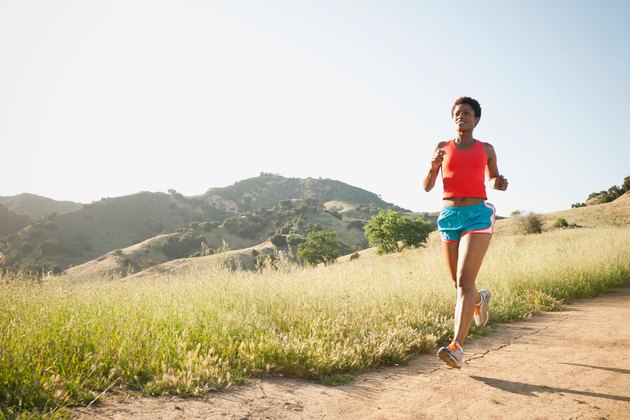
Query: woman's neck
464	137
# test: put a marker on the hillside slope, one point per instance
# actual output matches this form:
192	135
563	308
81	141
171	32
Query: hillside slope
615	213
73	238
69	239
285	225
36	207
11	222
267	190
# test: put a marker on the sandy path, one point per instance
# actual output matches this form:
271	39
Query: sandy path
562	365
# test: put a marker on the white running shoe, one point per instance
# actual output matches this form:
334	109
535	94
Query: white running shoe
452	354
482	314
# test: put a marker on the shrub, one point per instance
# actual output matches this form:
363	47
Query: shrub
279	240
561	222
182	246
530	223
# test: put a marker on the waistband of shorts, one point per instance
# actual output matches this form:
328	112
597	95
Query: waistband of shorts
472	206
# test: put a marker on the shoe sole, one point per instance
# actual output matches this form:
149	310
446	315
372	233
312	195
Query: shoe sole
446	358
477	320
488	298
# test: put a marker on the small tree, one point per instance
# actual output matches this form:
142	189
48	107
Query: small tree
320	246
391	231
530	223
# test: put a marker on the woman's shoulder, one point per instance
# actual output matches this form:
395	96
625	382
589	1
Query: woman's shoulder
486	145
444	143
488	148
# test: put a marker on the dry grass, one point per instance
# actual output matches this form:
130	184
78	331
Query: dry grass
186	334
615	213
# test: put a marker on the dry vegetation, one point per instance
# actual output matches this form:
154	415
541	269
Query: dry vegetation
65	344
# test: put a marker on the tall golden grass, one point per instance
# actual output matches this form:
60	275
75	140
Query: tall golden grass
64	344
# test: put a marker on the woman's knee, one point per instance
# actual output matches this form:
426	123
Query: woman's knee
467	284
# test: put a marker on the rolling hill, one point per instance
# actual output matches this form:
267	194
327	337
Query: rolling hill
276	230
36	207
72	238
266	190
11	222
242	215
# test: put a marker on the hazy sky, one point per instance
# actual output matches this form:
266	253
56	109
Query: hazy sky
108	98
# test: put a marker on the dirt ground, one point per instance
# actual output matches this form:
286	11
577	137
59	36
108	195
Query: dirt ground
561	365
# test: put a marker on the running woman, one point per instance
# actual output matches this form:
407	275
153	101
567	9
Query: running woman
466	221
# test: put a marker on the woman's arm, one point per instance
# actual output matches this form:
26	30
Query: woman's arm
497	181
436	163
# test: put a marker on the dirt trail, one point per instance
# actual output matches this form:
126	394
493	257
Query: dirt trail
561	365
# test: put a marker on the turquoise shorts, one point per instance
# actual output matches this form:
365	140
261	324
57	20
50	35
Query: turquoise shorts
454	222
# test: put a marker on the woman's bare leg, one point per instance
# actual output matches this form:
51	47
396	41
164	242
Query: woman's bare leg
450	254
471	251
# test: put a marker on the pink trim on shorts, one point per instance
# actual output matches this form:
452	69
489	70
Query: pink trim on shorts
488	229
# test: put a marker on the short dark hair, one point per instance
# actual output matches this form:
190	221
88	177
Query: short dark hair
469	101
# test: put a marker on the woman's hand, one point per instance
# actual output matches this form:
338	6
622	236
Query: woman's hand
437	159
499	183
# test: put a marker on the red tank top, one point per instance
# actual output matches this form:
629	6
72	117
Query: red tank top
463	172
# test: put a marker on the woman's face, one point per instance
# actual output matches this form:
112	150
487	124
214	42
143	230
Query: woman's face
464	117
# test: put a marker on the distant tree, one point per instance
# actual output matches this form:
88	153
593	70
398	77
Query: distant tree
313	227
390	231
279	240
182	246
175	194
578	205
39	267
321	246
609	195
51	247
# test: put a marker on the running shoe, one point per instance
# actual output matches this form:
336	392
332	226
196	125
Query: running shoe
452	355
482	314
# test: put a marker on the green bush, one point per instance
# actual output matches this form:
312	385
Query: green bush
561	222
182	246
320	247
390	231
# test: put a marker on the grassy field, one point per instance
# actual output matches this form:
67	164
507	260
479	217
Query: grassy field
64	344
